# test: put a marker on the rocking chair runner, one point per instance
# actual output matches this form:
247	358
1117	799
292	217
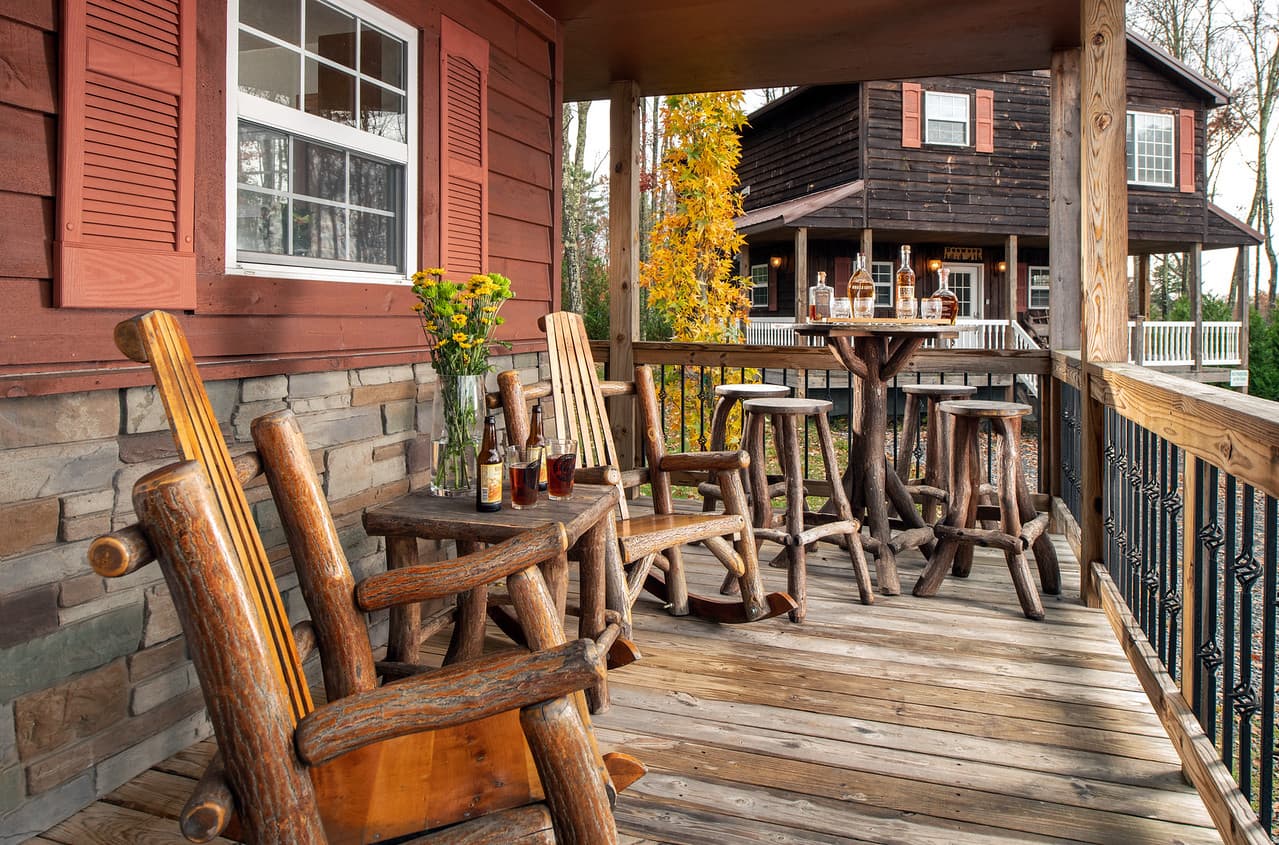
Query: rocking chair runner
649	545
373	773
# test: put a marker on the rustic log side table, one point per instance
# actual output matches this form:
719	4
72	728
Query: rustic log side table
875	351
588	520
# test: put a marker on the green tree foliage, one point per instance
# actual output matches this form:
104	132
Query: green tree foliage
690	275
1215	310
1263	355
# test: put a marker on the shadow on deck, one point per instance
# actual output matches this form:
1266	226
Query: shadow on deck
944	720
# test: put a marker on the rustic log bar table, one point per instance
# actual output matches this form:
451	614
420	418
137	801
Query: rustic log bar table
587	518
875	351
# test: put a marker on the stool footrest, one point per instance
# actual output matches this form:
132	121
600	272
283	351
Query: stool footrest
1031	531
820	532
929	491
985	537
911	538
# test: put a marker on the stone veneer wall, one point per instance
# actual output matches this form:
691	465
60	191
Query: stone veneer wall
95	686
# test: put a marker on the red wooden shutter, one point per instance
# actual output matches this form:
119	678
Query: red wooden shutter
843	269
1186	150
912	93
985	137
126	193
464	70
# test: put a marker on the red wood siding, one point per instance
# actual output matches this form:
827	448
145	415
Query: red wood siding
912	95
984	137
127	190
259	325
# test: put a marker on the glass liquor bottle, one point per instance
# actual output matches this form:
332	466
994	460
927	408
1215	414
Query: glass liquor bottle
861	290
488	475
537	440
822	299
949	301
905	299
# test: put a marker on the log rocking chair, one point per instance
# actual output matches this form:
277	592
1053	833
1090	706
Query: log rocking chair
649	545
493	750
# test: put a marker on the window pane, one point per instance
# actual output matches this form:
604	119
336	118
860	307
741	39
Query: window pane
881	272
1151	148
319	231
261	222
381	56
330	33
329	93
281	18
945	132
375	184
268	70
320	171
382	112
264	158
373	238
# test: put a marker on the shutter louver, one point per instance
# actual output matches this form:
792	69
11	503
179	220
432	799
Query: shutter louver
985	136
912	94
463	150
1186	150
126	146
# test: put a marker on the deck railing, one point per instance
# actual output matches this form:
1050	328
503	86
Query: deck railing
1190	476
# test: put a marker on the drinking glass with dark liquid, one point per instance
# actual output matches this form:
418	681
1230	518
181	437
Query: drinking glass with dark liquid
525	465
561	460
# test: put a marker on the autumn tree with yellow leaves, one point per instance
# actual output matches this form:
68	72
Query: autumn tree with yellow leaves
691	274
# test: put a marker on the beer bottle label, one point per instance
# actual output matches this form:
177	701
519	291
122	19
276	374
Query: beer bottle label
540	455
490	482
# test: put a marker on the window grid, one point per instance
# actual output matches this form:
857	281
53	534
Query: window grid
759	285
946	118
881	272
1151	149
1040	280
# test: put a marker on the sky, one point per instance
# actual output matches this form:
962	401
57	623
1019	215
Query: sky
1233	189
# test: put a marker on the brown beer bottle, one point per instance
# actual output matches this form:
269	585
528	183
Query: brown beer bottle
537	440
488	474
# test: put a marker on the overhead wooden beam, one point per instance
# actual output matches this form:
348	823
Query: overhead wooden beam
1104	246
1064	225
625	159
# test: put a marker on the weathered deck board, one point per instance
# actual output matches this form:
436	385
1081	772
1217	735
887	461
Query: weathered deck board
943	720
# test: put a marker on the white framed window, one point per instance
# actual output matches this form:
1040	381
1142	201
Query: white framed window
1039	285
322	143
882	273
946	119
1152	149
759	285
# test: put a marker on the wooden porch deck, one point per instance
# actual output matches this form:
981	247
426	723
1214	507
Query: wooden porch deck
945	720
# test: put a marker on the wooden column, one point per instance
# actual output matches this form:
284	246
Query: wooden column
1010	281
1143	286
801	273
868	244
1104	248
1064	225
623	270
1243	311
1195	281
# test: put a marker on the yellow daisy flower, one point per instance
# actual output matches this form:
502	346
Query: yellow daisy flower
459	338
434	271
459	319
419	306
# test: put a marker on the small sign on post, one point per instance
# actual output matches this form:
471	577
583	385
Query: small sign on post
1239	378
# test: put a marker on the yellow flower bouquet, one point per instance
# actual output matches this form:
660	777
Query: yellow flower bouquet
458	321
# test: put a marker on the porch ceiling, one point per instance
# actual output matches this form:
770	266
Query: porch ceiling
674	46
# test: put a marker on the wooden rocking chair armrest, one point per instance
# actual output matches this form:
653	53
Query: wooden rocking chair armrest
705	461
608	476
211	807
304	638
616	388
454	695
537	390
444	578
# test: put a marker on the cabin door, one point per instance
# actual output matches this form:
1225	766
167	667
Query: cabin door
966	282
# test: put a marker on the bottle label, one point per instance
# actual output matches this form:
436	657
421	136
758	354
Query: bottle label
490	482
540	455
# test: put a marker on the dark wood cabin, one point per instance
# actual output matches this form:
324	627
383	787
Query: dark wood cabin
958	167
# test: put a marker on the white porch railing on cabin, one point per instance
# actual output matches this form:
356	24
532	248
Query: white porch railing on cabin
1171	344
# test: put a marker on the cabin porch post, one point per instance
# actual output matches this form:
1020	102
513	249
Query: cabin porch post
625	157
1010	281
1195	281
1243	311
801	273
1064	223
1104	265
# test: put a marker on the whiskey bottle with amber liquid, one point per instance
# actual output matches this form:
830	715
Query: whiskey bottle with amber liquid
905	299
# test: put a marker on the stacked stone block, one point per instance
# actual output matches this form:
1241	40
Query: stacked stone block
95	685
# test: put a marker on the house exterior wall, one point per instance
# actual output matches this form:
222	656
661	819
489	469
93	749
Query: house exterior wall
94	683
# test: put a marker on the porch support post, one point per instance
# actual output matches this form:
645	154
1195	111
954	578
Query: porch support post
868	244
801	273
1143	285
1104	242
1243	310
1010	280
1195	279
1064	226
625	157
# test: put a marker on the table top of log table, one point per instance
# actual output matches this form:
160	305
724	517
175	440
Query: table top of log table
455	518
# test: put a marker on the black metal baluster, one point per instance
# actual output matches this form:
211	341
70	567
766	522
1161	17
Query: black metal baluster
1229	630
1269	612
1247	570
1209	540
683	427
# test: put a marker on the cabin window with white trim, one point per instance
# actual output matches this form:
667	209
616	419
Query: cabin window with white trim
946	119
1152	149
1039	287
759	285
321	143
882	274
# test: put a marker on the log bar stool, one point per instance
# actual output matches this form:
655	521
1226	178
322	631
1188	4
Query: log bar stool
936	448
786	415
1014	536
729	395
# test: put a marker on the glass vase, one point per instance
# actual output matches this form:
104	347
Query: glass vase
456	415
